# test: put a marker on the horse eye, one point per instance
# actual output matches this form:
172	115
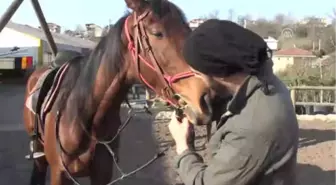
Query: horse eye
158	34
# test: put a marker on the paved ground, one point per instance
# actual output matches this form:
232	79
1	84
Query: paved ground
138	147
316	155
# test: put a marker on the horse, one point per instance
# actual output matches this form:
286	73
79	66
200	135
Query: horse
73	104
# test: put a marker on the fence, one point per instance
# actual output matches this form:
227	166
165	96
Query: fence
300	95
313	95
139	94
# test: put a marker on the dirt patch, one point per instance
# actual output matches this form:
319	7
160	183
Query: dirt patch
316	157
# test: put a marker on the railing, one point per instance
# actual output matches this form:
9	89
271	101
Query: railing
139	94
300	95
313	95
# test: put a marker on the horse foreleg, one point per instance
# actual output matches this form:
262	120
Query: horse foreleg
101	169
58	177
38	176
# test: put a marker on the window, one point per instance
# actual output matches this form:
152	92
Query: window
47	57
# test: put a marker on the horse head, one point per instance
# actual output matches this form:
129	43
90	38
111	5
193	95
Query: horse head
155	32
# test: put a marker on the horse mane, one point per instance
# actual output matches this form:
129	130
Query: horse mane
172	15
76	97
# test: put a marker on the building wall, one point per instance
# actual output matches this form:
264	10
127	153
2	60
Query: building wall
280	63
11	38
47	54
271	43
29	46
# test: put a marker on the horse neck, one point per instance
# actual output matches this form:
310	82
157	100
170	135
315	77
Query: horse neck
97	112
109	97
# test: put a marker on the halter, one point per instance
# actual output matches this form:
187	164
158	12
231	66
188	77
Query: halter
167	93
135	46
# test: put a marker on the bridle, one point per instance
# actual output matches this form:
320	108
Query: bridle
167	92
141	43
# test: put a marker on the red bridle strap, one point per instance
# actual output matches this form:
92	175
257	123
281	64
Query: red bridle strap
170	79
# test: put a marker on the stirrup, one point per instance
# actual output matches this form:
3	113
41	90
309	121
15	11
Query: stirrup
33	154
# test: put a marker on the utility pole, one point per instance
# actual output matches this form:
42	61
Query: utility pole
321	70
320	63
231	12
4	19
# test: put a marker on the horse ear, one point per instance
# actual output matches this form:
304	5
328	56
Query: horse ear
156	6
136	5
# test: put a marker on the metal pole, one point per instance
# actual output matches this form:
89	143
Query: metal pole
44	26
9	13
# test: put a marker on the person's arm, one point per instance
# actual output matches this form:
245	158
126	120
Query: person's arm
238	161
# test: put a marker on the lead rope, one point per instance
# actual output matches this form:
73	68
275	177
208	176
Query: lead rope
123	175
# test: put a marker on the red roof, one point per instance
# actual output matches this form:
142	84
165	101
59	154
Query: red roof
294	52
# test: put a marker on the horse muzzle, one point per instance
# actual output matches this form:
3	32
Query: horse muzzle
194	115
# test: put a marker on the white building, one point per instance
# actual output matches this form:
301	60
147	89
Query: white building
94	30
17	40
195	23
272	43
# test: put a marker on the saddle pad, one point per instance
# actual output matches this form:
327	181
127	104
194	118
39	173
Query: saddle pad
32	99
53	92
39	103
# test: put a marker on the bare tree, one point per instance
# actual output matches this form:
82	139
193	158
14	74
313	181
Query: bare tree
79	31
212	15
245	20
265	28
231	12
280	19
332	16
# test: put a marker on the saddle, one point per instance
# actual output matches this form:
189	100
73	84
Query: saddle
44	93
63	57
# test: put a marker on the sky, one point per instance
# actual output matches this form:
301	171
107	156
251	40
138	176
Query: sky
70	13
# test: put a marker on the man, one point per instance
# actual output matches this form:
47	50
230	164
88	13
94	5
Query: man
256	138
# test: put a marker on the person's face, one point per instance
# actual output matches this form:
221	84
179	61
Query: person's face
217	88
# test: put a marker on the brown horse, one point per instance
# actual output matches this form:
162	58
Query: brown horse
82	97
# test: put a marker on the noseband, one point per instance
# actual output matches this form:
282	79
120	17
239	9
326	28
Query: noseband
141	43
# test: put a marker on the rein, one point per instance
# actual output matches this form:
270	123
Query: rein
123	175
136	46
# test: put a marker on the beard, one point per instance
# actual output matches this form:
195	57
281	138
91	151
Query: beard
218	89
220	96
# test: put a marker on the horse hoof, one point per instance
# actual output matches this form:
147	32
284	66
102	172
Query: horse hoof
35	155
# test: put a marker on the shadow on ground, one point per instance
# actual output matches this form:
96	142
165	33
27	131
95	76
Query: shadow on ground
137	147
14	168
314	175
310	137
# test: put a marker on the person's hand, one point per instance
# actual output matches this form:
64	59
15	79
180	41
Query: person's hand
180	133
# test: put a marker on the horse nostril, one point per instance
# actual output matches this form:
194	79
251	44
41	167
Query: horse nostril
177	97
182	103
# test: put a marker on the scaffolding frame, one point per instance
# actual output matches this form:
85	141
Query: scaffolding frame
14	6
